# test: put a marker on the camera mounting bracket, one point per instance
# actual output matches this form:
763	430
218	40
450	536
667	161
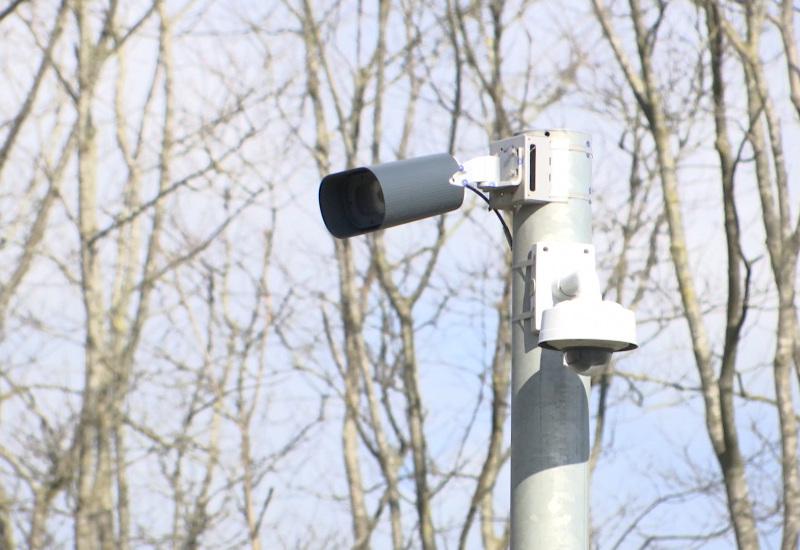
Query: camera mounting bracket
560	271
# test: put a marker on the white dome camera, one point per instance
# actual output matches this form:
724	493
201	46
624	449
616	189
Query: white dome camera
588	331
569	312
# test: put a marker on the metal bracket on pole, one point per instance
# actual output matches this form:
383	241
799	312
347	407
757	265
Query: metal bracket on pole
539	167
484	170
499	170
554	265
533	170
524	169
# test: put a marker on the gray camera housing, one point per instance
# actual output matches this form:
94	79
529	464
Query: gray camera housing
366	199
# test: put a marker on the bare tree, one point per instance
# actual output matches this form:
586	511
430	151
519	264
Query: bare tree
381	286
782	231
167	353
719	370
99	223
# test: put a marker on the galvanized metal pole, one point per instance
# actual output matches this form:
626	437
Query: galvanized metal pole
550	403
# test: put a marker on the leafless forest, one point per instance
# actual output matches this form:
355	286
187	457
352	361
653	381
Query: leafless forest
188	360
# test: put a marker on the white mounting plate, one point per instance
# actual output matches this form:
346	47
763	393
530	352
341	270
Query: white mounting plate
550	261
530	166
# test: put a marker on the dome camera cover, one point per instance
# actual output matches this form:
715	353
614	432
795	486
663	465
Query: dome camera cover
588	323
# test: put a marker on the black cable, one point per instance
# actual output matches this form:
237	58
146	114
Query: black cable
499	216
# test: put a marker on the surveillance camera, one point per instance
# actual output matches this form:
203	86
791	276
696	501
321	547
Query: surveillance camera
588	331
587	361
370	198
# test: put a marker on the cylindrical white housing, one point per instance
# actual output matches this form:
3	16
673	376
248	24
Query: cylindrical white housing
583	322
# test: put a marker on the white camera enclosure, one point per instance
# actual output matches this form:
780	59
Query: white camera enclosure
536	167
588	323
568	311
370	198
